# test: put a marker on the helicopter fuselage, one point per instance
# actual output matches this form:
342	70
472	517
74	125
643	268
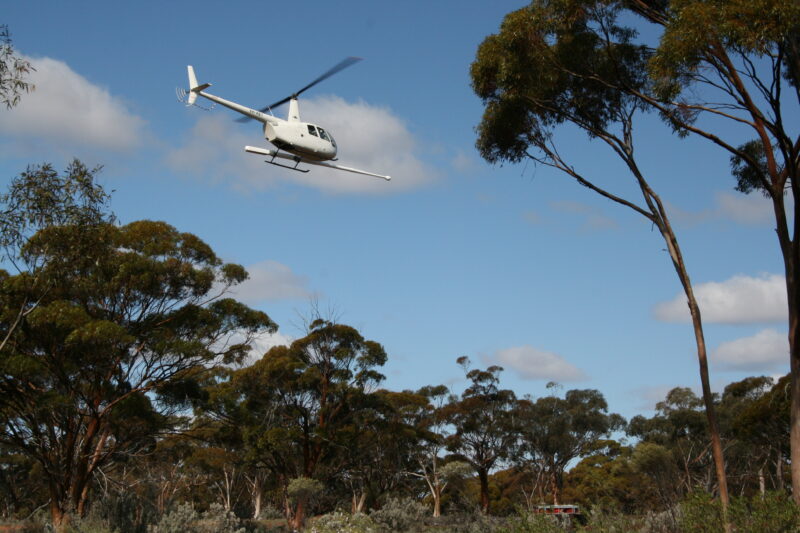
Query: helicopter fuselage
301	138
291	135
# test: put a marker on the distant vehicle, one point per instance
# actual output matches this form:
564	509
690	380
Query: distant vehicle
558	509
303	142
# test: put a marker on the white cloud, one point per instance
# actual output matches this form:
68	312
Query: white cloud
271	280
738	300
649	396
594	218
532	363
263	343
750	209
765	350
66	109
369	138
259	345
464	162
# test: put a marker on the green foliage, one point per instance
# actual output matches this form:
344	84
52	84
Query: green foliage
533	523
178	520
218	520
303	487
483	422
608	479
455	470
474	522
774	513
554	62
749	166
696	27
400	514
339	522
604	522
13	71
42	198
185	519
554	431
100	319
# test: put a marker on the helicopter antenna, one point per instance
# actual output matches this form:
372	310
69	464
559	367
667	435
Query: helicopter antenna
333	70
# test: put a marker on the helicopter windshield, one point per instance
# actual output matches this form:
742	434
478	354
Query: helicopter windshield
324	135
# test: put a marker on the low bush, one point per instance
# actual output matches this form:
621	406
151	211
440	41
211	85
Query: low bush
775	512
400	514
339	522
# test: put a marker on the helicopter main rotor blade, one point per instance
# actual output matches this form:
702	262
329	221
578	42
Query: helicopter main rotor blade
339	67
336	68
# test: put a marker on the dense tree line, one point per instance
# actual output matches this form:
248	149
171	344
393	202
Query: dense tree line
125	379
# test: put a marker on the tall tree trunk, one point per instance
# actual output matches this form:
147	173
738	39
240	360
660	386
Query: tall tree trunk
256	495
60	517
358	501
554	487
791	258
483	477
794	431
437	502
299	515
702	357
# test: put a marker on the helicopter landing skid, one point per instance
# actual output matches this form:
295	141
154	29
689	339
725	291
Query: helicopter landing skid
296	159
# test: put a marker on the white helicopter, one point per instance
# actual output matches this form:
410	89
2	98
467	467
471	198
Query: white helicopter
304	142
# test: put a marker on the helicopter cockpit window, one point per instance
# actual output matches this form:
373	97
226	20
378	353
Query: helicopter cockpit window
323	134
312	130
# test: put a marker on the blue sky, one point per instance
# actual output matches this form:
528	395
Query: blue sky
511	265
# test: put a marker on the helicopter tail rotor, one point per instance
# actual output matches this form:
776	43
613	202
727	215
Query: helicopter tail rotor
190	97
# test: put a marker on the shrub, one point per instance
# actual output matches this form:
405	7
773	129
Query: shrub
218	520
602	522
700	513
269	512
339	522
304	487
475	522
774	513
533	523
400	514
178	520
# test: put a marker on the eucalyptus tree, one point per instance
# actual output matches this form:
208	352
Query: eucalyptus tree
571	62
431	417
103	326
482	418
679	427
299	403
759	422
554	431
727	69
